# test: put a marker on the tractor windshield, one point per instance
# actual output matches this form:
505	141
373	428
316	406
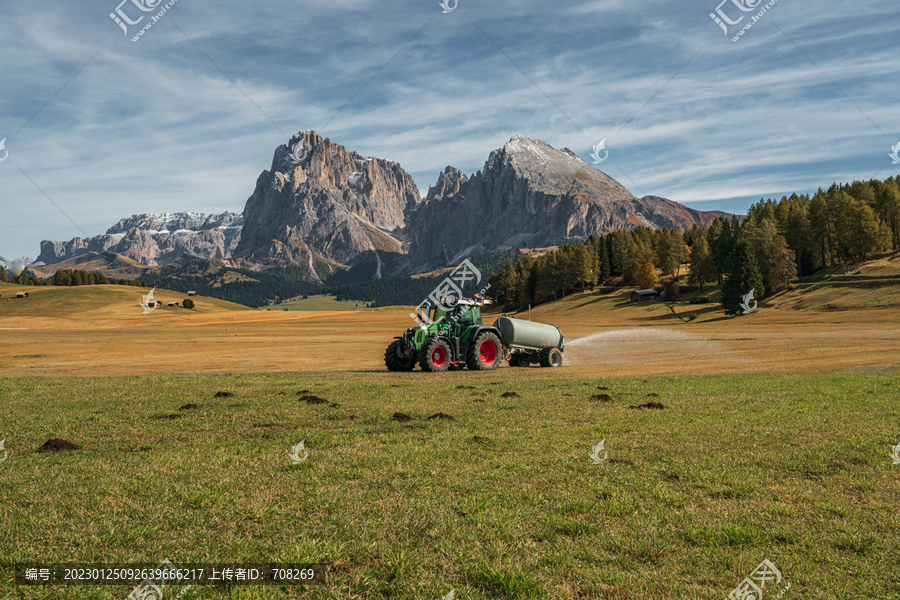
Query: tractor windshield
438	314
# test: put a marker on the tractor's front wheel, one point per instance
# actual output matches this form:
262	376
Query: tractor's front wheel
436	356
393	361
485	354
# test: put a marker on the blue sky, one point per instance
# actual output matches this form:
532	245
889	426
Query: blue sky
155	125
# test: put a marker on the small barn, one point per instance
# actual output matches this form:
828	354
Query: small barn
641	295
173	304
192	293
21	294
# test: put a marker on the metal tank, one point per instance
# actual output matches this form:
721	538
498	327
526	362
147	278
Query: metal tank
517	333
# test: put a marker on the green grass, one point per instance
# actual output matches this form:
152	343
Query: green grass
503	502
317	303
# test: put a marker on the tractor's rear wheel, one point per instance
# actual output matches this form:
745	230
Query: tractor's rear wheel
551	357
393	362
485	354
514	361
436	356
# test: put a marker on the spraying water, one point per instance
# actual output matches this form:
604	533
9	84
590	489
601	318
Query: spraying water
643	344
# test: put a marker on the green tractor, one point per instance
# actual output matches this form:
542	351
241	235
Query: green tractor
456	338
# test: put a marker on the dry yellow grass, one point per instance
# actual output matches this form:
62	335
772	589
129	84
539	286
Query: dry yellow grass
100	330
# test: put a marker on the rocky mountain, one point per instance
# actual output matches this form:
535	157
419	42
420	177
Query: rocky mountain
16	263
529	194
323	207
152	240
320	201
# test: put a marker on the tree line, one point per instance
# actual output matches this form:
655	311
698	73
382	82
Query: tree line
68	277
775	243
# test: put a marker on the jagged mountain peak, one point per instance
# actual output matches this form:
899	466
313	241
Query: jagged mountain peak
320	200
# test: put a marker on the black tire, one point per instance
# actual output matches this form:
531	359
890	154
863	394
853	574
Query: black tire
514	361
435	356
486	353
393	362
551	357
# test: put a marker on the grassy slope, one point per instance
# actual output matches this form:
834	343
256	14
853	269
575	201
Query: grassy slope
317	303
108	263
503	502
104	301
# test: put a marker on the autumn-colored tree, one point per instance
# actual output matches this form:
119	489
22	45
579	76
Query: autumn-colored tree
646	276
703	264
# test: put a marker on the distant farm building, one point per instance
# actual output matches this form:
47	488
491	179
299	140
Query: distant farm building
22	295
641	295
192	293
173	304
154	303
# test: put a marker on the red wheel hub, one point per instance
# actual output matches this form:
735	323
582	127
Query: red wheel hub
487	352
438	356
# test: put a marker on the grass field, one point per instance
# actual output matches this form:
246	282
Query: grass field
502	502
317	303
773	444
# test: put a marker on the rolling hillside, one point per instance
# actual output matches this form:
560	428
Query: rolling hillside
93	302
109	263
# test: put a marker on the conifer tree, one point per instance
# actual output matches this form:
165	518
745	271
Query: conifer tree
741	277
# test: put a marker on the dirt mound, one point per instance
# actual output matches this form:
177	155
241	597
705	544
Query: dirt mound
188	407
334	405
602	387
673	478
442	416
619	461
602	397
653	395
654	405
313	400
482	440
398	416
509	395
170	417
224	394
466	387
56	445
301	392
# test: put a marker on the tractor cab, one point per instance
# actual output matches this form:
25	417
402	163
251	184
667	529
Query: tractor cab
467	313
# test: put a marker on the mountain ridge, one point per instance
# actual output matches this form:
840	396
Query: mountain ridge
328	208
